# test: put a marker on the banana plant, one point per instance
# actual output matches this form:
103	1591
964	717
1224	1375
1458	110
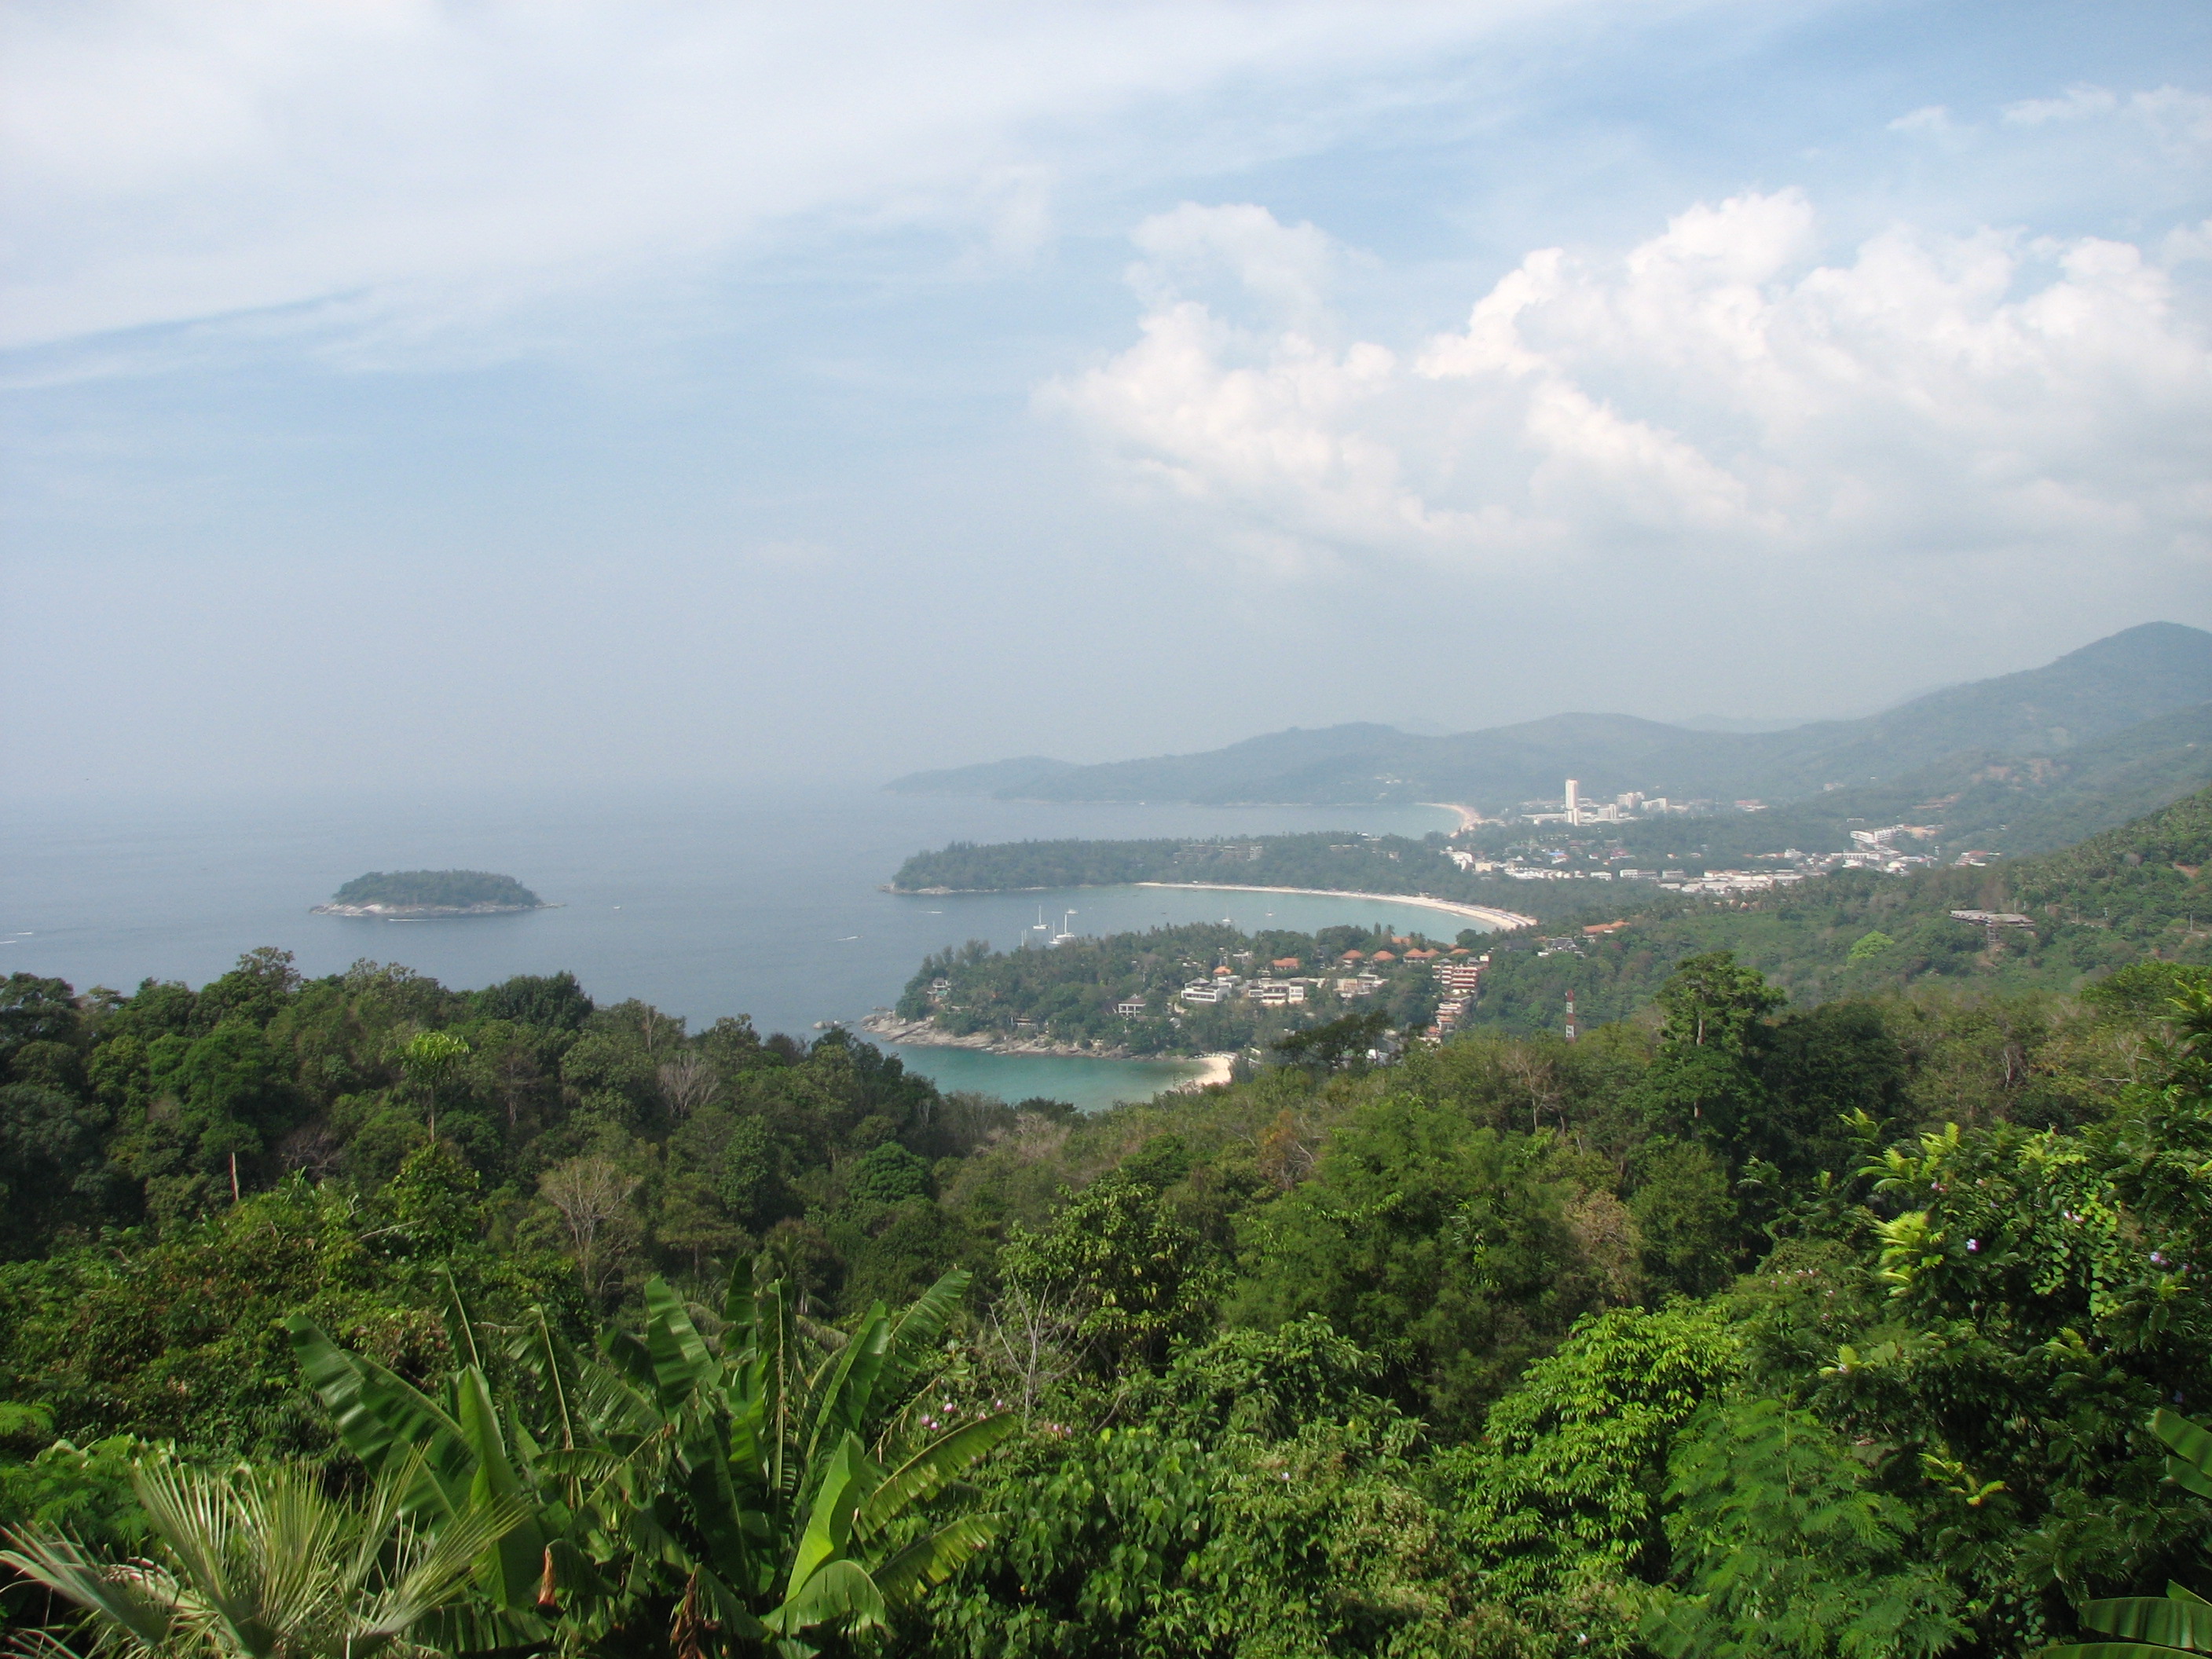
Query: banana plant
2179	1621
754	1474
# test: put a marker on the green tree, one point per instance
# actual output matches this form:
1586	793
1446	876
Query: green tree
431	1061
1134	1275
1868	946
435	1199
1702	1083
1784	1546
1256	1498
1446	1248
1565	1488
2180	1621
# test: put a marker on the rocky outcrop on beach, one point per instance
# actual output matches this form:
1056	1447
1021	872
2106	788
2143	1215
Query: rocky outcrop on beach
422	912
926	1033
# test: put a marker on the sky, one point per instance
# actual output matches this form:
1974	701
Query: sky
615	395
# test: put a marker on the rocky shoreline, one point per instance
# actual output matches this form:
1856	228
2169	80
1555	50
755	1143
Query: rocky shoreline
923	1033
424	912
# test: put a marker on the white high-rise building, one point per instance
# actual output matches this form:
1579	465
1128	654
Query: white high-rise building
1574	802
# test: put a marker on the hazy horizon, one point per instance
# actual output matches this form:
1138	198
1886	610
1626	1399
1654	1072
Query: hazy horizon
454	399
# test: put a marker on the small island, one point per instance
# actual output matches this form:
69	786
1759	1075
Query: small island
422	895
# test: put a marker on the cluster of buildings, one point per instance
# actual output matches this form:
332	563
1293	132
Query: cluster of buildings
1634	804
1356	974
1892	849
1735	881
1460	980
1226	985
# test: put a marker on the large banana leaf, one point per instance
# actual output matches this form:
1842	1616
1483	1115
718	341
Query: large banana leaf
847	1384
549	1363
384	1420
915	1333
509	1574
845	1482
2192	1468
933	1559
924	1474
674	1348
841	1593
2180	1621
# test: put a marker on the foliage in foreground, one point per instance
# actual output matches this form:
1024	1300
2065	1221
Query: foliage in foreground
1739	1327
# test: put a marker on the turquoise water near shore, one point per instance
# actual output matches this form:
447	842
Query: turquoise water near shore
704	902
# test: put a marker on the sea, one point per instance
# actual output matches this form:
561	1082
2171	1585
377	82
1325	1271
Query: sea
703	902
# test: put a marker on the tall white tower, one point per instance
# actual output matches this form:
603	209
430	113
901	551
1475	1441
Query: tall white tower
1574	802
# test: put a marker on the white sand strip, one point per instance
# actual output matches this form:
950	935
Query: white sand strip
1507	920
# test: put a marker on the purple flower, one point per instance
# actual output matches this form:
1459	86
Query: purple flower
1973	1244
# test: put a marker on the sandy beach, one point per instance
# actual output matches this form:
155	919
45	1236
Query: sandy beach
890	1028
1468	817
1217	1071
1506	919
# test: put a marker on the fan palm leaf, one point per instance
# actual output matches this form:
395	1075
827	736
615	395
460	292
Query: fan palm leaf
260	1561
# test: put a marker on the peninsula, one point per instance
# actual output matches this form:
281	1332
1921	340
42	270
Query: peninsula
427	895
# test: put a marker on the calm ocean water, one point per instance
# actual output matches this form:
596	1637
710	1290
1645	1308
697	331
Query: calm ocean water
702	904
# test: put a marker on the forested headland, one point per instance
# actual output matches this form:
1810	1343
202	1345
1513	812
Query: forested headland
1342	860
450	892
1780	1315
1121	993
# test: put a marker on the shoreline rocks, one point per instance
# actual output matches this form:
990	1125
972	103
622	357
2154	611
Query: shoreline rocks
424	912
924	1034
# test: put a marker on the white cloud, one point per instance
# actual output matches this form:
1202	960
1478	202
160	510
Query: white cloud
1931	118
175	162
2079	102
2179	121
1716	401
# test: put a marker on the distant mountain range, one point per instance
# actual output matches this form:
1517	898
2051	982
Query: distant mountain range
2117	728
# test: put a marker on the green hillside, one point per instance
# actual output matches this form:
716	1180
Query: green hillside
2136	892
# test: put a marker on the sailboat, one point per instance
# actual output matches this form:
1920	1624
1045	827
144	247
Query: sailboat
1064	933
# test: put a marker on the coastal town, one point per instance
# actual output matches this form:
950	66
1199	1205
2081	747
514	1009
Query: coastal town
1893	849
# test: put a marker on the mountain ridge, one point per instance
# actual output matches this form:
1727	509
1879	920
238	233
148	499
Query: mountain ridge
2139	675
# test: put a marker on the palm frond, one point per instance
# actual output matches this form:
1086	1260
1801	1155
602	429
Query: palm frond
137	1599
